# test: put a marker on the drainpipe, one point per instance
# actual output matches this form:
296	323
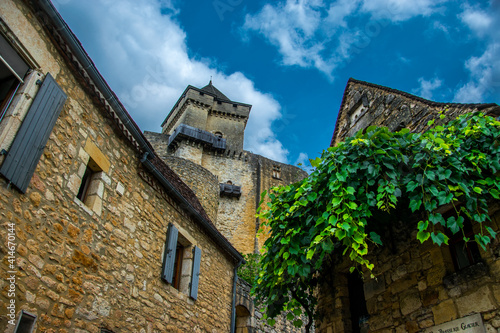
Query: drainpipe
233	307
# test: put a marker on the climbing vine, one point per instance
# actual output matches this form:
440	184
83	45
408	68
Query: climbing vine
331	211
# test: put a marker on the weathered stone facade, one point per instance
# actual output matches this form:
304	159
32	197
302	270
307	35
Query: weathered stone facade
96	263
417	286
213	114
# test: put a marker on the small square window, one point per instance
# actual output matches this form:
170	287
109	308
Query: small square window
91	189
26	323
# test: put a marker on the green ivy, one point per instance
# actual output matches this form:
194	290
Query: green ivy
375	171
250	270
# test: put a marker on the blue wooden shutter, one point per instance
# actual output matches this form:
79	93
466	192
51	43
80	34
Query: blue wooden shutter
24	154
169	255
195	277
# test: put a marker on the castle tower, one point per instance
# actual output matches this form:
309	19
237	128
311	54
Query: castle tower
205	118
202	141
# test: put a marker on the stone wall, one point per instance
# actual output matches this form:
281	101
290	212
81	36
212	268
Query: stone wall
203	183
254	173
365	104
255	322
78	268
416	286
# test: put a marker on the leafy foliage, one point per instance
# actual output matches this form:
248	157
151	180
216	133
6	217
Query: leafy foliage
251	269
330	211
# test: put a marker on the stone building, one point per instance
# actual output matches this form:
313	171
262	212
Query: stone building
202	139
418	287
98	233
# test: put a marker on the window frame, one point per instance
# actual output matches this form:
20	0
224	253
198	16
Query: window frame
181	270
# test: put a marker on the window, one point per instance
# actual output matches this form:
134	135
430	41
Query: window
89	184
26	323
30	128
12	71
357	304
276	172
181	262
218	134
464	254
82	192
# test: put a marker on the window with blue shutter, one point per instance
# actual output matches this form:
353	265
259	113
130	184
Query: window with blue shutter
181	263
195	277
24	154
169	255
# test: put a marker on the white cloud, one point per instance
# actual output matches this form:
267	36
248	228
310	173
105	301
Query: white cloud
292	27
316	34
401	10
303	162
484	77
477	20
427	87
484	70
141	50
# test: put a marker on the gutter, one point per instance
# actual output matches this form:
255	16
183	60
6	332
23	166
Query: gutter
212	231
124	117
233	306
96	77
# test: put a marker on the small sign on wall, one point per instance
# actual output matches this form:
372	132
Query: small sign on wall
469	324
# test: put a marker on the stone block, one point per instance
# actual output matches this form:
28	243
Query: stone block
481	300
97	156
410	302
374	287
444	312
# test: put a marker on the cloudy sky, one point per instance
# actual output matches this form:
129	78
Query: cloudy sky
289	59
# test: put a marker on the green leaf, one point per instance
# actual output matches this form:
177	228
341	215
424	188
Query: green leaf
375	238
492	233
298	323
451	223
439	238
312	196
316	162
422	236
415	205
290	316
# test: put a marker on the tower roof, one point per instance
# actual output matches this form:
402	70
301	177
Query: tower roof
211	90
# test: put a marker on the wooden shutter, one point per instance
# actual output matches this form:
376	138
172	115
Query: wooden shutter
24	154
195	277
169	255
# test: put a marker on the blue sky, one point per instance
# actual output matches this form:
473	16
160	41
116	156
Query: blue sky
290	59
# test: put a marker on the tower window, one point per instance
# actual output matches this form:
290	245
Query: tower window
276	172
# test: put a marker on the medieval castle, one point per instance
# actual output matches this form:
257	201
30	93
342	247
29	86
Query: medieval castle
108	229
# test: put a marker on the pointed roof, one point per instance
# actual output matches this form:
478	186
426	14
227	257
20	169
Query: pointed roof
211	90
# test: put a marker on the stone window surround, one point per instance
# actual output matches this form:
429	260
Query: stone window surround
90	155
188	243
23	98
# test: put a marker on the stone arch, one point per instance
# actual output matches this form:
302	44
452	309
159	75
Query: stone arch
243	320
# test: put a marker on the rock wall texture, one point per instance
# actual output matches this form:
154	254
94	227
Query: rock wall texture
365	104
81	268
